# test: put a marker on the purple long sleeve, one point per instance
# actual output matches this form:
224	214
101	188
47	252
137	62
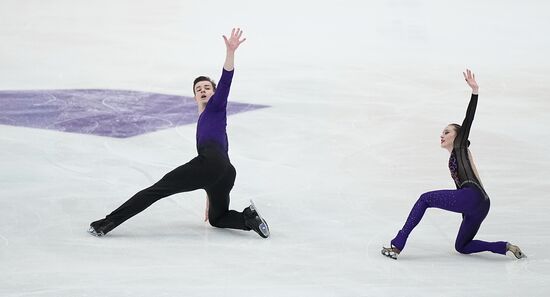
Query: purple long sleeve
212	123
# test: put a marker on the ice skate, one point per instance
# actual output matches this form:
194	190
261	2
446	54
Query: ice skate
254	221
515	250
391	252
101	227
92	231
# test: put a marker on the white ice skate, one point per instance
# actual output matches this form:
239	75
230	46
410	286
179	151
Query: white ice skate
391	252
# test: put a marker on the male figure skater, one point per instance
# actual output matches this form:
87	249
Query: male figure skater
211	170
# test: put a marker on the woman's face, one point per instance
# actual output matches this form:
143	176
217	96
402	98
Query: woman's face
448	137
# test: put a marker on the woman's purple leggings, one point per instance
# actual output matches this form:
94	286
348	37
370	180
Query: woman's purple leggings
468	201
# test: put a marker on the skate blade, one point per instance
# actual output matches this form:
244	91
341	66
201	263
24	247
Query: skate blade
264	228
92	231
520	255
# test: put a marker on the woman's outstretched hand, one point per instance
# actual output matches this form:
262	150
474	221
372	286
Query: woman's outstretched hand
470	78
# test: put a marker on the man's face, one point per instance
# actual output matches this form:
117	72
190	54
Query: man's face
203	91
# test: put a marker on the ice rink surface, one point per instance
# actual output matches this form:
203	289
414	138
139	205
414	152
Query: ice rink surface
358	93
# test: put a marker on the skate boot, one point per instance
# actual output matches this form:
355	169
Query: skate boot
515	250
391	252
101	227
254	221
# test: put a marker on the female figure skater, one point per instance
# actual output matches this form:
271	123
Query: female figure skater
211	170
469	199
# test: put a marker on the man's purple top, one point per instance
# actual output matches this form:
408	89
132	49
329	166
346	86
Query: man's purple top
211	126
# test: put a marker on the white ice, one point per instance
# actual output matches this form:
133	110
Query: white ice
360	91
